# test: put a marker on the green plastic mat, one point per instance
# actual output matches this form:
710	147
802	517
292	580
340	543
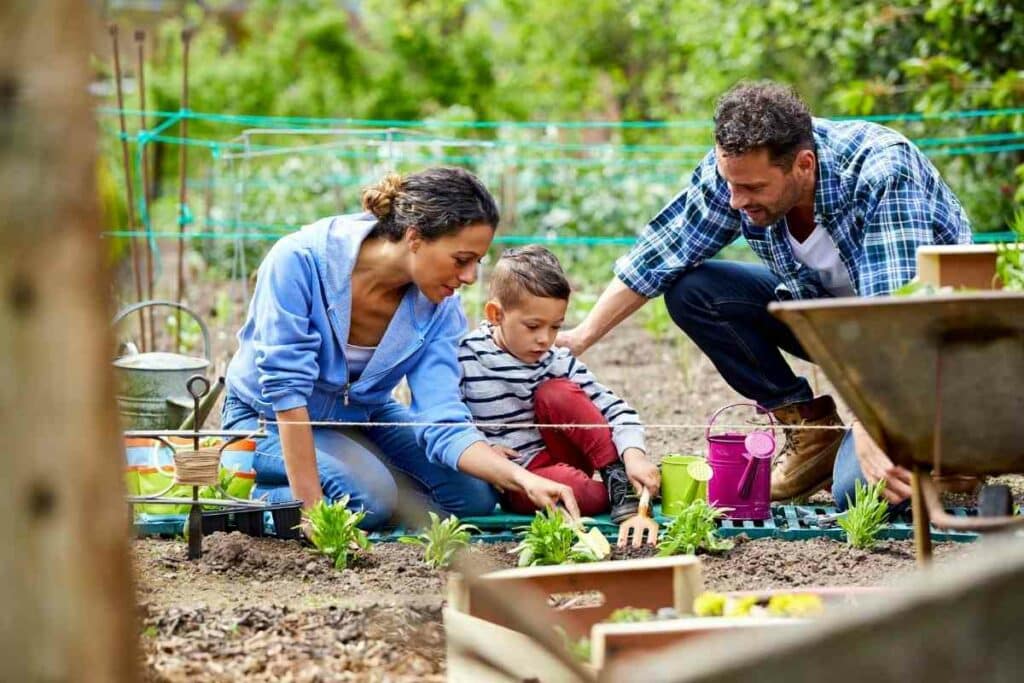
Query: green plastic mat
788	523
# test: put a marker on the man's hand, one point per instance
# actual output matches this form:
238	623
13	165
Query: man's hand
545	493
876	466
642	472
572	340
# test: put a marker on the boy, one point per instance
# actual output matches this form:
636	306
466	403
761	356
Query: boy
511	373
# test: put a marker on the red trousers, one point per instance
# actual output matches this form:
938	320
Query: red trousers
570	456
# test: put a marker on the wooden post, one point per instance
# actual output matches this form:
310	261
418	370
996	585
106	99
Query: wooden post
65	578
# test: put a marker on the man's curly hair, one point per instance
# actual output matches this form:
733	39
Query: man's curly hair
763	115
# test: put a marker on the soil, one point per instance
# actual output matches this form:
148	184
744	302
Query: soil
262	609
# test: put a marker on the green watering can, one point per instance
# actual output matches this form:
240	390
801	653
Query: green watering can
151	386
684	479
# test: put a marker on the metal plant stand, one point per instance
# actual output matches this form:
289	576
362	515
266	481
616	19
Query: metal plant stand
200	467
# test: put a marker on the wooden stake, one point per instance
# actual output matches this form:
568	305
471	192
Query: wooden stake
65	579
136	268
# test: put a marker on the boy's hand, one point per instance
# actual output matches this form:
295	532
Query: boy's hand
642	472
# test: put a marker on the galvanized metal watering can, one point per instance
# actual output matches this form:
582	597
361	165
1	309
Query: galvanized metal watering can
151	387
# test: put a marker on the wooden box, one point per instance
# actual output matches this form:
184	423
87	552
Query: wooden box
958	265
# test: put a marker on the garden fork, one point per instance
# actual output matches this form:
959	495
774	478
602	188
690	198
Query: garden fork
642	528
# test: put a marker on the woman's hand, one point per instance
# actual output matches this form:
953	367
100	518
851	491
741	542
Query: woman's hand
876	466
509	453
643	473
545	493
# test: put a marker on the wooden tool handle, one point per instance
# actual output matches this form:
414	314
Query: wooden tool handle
644	509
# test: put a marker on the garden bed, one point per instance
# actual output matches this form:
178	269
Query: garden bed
262	609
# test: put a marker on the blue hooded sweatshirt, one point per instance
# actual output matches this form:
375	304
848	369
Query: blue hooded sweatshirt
291	348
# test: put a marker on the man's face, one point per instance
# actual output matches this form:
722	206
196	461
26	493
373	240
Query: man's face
761	190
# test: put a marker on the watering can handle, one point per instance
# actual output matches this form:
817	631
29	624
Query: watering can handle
711	422
128	310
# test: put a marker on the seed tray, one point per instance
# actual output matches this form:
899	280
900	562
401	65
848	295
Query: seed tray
279	520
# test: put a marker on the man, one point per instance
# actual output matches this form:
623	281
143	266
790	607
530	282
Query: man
831	209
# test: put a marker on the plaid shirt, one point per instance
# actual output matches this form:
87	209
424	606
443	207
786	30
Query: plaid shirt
877	195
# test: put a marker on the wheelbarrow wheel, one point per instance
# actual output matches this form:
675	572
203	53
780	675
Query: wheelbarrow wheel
995	500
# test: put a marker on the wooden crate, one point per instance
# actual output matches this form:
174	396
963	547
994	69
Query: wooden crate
645	584
481	645
616	643
958	265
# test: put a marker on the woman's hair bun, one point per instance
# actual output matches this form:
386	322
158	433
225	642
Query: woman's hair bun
379	198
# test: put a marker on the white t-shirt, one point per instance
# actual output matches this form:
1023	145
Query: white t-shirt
818	252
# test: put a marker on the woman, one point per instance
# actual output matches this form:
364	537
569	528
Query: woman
343	310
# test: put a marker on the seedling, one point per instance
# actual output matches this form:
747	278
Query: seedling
630	615
797	605
441	540
693	529
334	530
1010	258
550	539
579	649
866	515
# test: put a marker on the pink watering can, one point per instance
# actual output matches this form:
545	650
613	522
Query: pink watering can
742	466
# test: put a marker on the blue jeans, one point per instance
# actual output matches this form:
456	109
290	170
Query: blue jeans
723	307
371	465
847	472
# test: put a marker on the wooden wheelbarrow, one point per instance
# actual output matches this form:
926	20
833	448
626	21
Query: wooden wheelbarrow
938	382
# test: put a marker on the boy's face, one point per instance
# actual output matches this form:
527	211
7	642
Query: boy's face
528	329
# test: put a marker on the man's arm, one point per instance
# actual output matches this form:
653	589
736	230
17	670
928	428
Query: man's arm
616	303
692	228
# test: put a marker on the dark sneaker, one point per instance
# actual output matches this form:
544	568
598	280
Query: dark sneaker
623	499
804	464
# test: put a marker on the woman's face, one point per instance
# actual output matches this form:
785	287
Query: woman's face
441	266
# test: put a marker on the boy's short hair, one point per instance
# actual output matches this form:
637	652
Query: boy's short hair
531	269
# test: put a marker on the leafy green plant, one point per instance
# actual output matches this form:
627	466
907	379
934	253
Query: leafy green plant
334	530
866	515
693	529
630	615
579	649
441	540
1010	258
550	539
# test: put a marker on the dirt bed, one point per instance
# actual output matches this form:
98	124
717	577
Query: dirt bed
270	610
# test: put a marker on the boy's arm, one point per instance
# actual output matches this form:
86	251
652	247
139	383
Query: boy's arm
627	430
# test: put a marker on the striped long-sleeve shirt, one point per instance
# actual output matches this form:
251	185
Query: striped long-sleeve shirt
498	387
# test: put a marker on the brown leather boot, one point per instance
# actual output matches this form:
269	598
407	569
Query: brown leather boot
804	465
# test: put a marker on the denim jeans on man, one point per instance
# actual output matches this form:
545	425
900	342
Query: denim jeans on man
723	307
372	465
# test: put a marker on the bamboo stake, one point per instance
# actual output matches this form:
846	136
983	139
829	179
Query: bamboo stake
186	38
147	189
136	270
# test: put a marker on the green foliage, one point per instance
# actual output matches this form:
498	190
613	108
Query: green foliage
550	540
693	529
579	649
334	530
1010	258
447	61
441	540
630	615
866	516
